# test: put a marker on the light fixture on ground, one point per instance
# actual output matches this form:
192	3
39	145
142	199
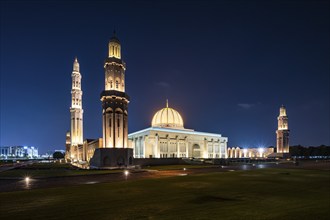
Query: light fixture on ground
126	174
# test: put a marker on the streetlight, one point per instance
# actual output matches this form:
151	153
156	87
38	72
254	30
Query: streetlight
261	150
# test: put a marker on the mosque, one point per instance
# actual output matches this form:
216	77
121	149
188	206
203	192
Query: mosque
166	138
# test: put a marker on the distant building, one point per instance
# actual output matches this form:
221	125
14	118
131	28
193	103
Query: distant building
260	152
19	151
282	133
67	145
282	143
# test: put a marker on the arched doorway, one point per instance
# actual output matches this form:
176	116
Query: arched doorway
196	151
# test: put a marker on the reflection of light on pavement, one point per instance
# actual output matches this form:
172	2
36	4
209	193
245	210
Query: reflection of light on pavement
231	170
182	174
261	166
91	182
244	167
27	182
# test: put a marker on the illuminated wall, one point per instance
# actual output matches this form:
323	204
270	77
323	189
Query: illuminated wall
158	142
89	147
237	152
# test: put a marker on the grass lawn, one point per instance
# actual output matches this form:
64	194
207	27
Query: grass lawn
178	167
21	173
257	194
40	170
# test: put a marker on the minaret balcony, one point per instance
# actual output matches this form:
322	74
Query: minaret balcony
114	93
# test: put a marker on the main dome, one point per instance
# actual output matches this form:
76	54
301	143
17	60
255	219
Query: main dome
168	118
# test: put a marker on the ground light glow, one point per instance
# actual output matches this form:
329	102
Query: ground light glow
27	182
126	174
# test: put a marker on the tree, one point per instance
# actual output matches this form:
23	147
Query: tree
58	155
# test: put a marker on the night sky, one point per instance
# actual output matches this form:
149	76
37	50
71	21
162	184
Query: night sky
226	66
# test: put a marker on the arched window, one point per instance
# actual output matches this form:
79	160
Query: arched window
118	126
111	84
116	84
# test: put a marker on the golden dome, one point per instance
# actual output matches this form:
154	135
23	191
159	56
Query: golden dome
168	118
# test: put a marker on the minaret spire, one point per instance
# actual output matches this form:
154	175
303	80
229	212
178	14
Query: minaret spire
76	65
114	47
76	112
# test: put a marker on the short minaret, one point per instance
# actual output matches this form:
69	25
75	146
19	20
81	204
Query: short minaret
114	99
282	133
67	145
76	108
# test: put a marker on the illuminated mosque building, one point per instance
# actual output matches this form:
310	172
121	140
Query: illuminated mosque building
167	138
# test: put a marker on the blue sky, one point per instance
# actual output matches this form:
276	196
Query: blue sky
226	66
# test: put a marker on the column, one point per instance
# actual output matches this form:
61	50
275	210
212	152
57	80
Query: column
156	146
205	152
143	155
187	145
177	147
213	149
168	146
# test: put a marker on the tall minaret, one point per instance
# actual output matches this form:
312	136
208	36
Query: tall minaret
76	107
114	99
282	133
